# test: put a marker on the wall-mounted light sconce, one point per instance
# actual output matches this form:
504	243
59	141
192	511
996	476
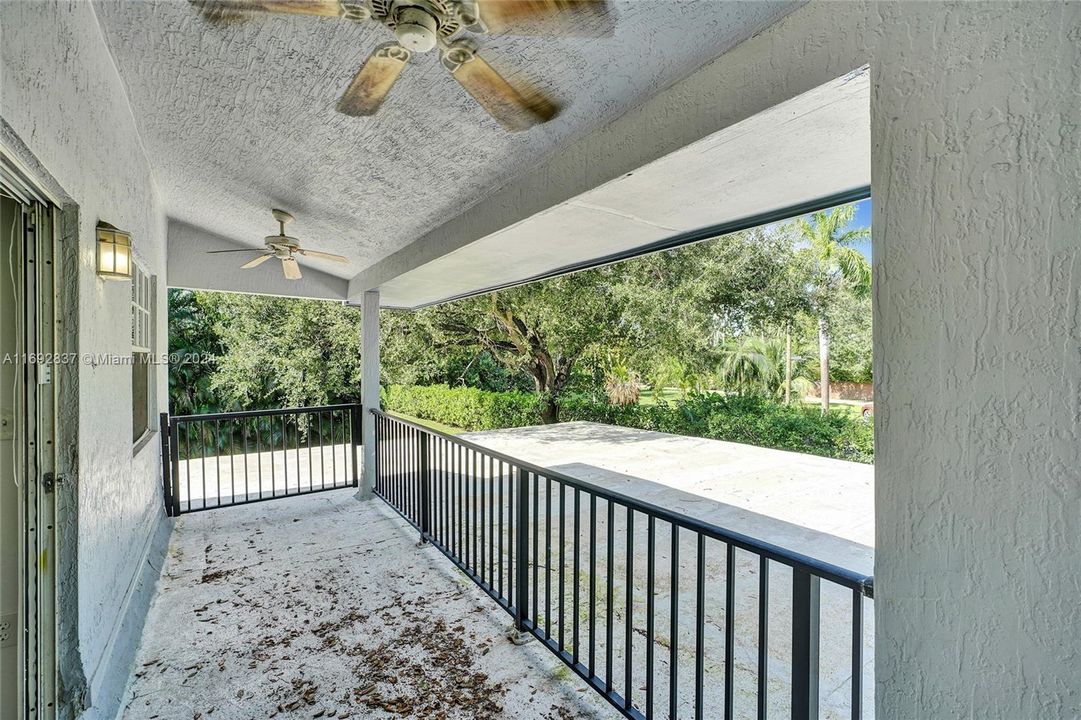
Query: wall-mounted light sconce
114	253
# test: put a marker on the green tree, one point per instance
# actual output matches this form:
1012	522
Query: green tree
835	266
284	352
194	349
542	328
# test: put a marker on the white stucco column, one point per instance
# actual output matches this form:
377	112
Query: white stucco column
369	394
976	174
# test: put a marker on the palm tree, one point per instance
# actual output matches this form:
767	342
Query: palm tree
836	267
752	365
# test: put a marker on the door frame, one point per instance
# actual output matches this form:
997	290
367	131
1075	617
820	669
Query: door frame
53	683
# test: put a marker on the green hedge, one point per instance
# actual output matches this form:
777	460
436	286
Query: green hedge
745	419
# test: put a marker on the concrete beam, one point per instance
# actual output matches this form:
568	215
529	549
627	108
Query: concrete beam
189	266
817	43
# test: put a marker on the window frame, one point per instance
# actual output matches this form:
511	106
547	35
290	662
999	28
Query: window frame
143	333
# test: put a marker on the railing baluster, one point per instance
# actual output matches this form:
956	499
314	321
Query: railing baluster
477	466
673	643
730	633
699	628
521	547
512	520
285	454
592	584
244	435
500	578
805	619
322	452
628	653
259	453
187	463
491	522
217	458
608	598
650	578
166	462
333	452
174	449
308	438
562	563
536	545
296	449
482	564
577	553
763	636
548	557
857	654
232	459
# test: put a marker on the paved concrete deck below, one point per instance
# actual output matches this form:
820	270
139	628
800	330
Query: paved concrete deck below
322	606
813	505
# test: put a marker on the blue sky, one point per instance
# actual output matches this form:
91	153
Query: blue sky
863	219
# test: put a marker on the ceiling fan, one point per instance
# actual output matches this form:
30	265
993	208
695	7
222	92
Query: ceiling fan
421	26
282	247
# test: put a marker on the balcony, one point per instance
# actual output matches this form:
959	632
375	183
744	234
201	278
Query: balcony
656	597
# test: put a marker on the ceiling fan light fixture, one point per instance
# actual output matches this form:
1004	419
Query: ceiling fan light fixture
416	29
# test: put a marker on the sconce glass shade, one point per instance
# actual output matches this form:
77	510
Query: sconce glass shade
114	253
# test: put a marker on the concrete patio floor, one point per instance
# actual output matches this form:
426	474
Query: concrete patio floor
323	606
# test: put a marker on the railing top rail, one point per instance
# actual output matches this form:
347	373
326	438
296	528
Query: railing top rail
260	413
827	571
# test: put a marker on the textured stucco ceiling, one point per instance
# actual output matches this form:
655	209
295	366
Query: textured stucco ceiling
239	118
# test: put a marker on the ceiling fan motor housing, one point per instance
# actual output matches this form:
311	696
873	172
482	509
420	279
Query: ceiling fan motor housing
416	29
282	245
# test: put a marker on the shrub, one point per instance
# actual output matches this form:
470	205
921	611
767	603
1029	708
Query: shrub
751	419
464	407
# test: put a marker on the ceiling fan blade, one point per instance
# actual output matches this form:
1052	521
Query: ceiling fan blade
215	252
225	10
570	18
257	261
516	109
374	80
291	269
323	255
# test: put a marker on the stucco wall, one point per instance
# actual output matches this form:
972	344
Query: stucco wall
977	269
61	95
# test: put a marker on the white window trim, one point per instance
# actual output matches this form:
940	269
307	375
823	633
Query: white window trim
143	297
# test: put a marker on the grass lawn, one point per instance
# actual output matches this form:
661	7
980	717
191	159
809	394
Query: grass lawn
449	430
650	397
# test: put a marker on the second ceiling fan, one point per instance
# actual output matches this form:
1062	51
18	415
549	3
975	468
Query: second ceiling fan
421	26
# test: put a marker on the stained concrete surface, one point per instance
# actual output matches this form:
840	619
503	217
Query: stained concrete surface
323	606
325	592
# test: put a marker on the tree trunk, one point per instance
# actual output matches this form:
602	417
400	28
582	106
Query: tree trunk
788	364
549	409
548	388
824	362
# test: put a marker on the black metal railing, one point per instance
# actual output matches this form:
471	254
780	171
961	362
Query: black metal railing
662	614
224	459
